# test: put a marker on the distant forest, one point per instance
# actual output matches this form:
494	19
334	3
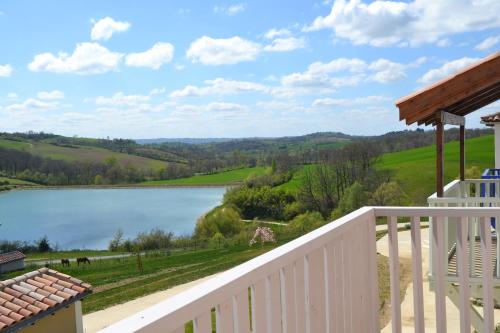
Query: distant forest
185	159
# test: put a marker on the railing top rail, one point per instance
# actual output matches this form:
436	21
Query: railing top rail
437	211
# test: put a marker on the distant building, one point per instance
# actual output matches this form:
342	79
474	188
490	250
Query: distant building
41	301
11	261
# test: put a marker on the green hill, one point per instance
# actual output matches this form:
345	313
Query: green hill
81	153
415	168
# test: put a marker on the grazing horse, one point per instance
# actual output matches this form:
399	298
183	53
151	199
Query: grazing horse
82	260
65	262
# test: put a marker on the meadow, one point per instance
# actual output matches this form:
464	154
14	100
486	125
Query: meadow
221	178
415	169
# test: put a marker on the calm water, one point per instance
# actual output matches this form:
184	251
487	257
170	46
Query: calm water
88	218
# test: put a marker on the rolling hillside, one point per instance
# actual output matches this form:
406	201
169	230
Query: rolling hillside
81	153
415	168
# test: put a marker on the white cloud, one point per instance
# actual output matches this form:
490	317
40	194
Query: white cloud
50	95
87	58
447	69
120	99
488	43
32	105
222	51
230	10
219	86
12	95
349	102
274	33
5	70
154	58
384	23
387	71
285	44
223	106
106	27
179	67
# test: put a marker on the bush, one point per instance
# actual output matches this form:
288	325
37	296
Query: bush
306	222
353	198
224	220
389	194
261	202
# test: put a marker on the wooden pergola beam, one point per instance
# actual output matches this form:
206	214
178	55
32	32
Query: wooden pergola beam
439	159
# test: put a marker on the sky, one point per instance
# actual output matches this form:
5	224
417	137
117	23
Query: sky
169	69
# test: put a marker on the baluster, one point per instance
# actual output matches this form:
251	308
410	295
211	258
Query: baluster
394	273
418	294
487	279
440	264
203	323
463	275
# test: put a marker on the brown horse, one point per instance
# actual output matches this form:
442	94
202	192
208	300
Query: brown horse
82	260
65	262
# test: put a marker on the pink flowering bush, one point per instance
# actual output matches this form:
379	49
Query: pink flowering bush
264	233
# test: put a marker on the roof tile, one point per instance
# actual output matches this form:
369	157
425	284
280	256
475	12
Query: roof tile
34	293
11	256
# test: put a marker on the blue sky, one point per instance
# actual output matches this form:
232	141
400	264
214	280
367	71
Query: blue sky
230	68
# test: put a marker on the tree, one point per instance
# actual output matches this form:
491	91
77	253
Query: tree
353	198
44	245
389	194
117	241
225	220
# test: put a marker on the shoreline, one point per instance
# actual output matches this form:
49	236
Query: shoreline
110	187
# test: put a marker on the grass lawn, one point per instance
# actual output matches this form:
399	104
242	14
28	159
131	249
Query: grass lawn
11	144
221	178
415	168
13	181
118	280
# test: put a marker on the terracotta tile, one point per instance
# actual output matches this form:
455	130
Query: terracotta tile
20	302
25	313
2	326
63	294
56	298
16	316
12	292
50	278
6	320
43	292
49	302
20	289
28	299
51	290
41	305
2	301
36	296
65	284
12	306
28	286
58	286
70	291
6	296
79	289
35	283
43	280
5	311
33	309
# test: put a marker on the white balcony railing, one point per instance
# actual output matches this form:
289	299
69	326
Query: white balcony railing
326	281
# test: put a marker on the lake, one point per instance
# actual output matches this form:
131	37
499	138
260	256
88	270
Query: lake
89	218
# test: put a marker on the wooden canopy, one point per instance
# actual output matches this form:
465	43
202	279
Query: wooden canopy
448	101
460	94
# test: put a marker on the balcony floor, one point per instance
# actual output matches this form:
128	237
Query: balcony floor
478	269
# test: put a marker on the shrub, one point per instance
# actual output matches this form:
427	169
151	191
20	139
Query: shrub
306	222
225	220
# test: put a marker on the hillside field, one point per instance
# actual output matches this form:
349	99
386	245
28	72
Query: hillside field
415	169
81	154
221	178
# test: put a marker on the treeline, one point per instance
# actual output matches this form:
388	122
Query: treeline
46	171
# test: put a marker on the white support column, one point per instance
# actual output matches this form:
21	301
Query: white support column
497	145
78	317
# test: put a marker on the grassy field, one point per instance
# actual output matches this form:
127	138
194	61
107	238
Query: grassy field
119	280
82	154
415	168
221	178
13	181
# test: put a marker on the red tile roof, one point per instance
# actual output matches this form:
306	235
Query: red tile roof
491	118
11	256
34	295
